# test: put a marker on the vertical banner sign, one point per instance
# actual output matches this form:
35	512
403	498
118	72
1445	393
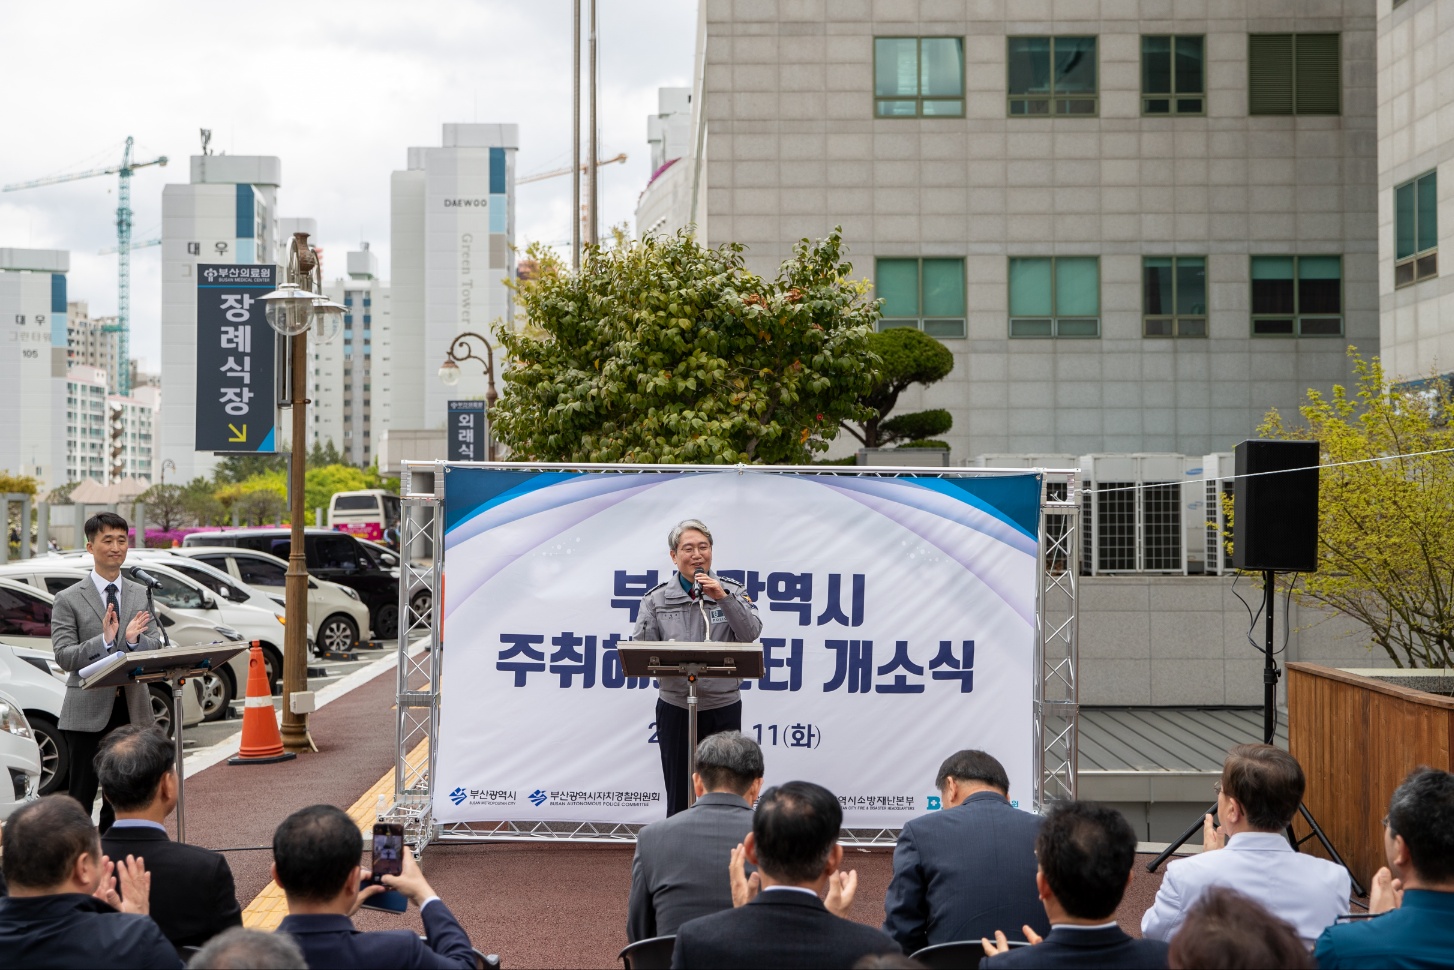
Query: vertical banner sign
898	625
466	430
236	401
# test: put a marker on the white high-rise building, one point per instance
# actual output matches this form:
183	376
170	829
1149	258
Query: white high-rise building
226	214
33	362
345	372
669	133
86	440
93	341
452	229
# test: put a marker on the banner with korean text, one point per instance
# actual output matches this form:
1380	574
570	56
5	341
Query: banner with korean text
898	620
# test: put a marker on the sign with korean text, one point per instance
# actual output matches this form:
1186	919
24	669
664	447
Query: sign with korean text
236	402
898	624
466	430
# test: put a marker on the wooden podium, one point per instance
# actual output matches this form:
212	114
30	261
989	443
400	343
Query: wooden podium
173	665
694	661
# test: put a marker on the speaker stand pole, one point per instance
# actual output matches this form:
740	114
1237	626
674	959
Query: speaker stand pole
1270	676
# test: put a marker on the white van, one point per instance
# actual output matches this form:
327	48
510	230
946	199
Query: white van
369	514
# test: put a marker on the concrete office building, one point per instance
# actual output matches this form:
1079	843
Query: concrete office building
452	231
345	410
669	133
1415	140
1138	225
89	342
33	361
226	214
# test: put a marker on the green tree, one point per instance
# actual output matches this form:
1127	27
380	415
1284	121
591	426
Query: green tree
324	454
61	494
662	350
18	484
201	505
1385	510
237	468
166	506
907	357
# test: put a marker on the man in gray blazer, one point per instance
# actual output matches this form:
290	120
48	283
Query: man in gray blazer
681	867
968	869
100	614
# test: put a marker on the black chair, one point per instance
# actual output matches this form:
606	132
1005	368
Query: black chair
652	954
958	955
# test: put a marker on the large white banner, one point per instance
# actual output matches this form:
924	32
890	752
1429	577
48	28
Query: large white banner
898	618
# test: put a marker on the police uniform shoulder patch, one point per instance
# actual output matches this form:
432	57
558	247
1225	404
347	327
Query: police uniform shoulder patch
656	587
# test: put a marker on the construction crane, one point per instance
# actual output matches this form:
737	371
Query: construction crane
557	172
136	245
122	327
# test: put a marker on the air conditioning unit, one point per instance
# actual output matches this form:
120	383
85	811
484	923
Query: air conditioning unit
1218	475
1135	512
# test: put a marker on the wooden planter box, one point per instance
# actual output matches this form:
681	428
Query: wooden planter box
1357	737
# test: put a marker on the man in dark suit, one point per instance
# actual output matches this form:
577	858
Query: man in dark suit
794	844
680	868
97	616
968	869
1086	852
62	910
316	862
193	897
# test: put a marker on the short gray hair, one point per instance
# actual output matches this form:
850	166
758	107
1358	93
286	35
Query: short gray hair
243	949
674	537
730	760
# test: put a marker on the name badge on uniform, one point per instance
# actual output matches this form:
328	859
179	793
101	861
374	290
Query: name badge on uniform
717	616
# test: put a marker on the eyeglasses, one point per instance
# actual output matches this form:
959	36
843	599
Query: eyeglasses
1217	787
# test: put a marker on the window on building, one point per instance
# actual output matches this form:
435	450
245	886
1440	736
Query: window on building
1174	296
1297	296
1294	74
1173	74
1052	76
1416	230
918	76
927	294
1055	296
348	299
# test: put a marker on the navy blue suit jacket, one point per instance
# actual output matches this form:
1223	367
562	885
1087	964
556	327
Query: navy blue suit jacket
72	930
780	928
1070	947
964	872
332	941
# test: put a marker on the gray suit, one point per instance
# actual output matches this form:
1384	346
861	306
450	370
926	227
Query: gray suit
680	869
76	636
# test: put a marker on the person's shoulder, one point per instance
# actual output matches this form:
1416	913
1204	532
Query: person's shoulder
656	591
1360	942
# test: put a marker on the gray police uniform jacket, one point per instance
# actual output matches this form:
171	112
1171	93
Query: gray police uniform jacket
669	613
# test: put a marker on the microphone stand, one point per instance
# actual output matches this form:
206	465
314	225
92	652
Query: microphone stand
176	683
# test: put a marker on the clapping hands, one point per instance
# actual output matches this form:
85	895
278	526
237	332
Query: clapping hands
135	883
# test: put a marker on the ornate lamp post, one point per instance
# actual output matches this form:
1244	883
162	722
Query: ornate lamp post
463	349
292	309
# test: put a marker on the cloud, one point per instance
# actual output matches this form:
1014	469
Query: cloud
337	90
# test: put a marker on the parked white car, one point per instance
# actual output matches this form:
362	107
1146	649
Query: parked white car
185	597
336	614
25	610
19	756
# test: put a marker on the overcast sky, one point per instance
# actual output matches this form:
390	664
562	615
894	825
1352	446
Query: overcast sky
337	90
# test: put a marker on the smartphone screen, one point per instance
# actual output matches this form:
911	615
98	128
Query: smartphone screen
388	856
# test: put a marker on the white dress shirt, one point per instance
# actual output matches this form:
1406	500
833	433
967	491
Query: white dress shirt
1308	892
101	582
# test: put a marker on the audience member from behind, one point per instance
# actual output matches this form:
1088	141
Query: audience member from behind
1258	795
192	897
1227	931
1086	852
1414	893
316	862
969	869
794	844
679	872
62	910
242	949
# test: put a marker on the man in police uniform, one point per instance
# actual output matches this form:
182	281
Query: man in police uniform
694	605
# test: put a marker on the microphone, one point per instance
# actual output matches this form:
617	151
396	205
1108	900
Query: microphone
145	578
697	584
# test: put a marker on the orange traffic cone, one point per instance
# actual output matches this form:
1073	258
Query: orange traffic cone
261	742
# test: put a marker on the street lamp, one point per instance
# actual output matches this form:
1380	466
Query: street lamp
292	309
463	349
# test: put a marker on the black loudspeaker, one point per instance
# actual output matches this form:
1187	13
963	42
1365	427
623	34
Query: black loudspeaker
1275	506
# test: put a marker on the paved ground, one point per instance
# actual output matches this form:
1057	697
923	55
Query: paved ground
537	905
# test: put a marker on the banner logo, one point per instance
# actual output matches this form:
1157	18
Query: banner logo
458	796
538	798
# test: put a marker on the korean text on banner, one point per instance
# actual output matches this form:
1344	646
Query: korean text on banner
467	430
236	402
899	621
